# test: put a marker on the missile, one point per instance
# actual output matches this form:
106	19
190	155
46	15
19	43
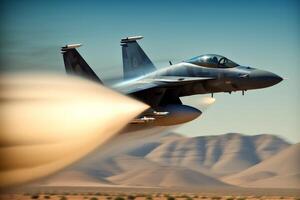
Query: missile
142	120
160	113
70	46
131	39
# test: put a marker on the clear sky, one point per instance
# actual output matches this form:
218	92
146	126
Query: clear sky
261	34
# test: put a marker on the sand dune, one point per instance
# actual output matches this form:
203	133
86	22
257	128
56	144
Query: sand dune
279	171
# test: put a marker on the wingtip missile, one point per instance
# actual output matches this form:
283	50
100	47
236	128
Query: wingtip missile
70	46
131	38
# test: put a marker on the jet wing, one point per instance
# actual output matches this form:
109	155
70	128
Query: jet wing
158	82
134	87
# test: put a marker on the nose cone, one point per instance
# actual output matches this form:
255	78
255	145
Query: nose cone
263	79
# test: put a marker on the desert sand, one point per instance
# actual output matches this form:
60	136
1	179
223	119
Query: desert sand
142	193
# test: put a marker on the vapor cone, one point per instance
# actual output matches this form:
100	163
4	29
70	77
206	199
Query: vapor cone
48	122
205	102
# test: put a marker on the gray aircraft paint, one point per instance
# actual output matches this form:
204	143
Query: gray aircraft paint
162	88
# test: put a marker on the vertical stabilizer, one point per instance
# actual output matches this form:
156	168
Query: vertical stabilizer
76	65
135	62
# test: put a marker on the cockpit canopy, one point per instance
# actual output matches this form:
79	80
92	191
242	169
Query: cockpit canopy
213	61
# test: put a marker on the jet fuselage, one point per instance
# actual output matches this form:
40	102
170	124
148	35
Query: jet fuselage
162	88
239	78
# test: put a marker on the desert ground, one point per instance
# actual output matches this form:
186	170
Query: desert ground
139	193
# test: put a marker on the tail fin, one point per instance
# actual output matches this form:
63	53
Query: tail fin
135	61
76	65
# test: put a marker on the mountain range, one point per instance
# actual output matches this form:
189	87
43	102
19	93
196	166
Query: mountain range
172	160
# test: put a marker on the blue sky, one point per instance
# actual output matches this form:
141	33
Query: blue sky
262	34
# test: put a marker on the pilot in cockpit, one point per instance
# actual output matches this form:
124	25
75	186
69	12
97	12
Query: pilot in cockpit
215	60
212	61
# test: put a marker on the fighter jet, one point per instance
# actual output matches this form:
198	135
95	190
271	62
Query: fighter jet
162	88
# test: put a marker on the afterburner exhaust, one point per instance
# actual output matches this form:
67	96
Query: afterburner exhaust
48	122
